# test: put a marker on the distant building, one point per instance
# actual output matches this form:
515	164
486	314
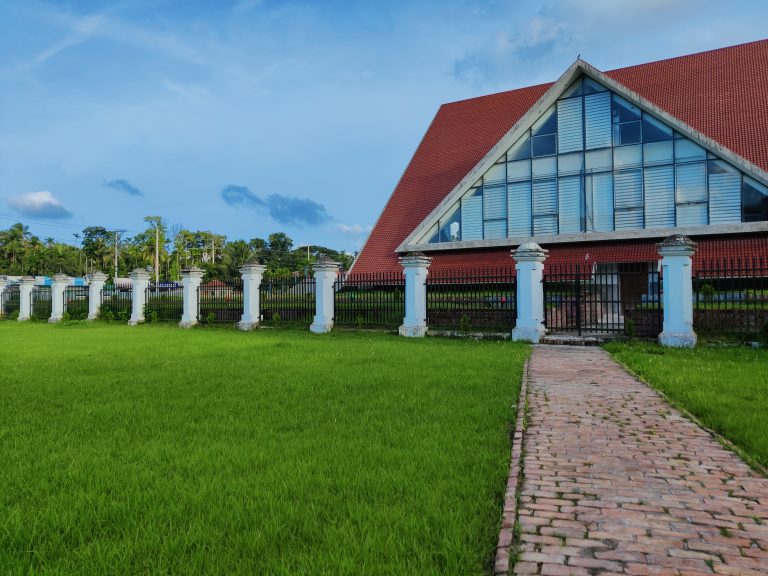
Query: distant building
597	167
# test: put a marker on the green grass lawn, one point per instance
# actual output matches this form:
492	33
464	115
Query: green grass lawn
159	450
725	388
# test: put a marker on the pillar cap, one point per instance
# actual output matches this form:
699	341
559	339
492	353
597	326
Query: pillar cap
139	274
677	245
193	272
60	278
530	252
26	280
252	266
97	276
325	263
415	260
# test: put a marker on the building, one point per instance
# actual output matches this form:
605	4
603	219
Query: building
597	167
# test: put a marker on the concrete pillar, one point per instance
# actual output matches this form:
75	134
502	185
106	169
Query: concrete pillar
677	297
59	285
415	267
95	286
3	285
252	273
26	285
190	281
529	264
325	275
139	285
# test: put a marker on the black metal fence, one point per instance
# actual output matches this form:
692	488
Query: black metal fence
483	300
76	302
164	303
10	303
603	299
287	299
731	297
220	301
41	303
369	300
116	303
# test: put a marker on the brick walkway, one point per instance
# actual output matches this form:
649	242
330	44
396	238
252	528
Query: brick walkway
617	482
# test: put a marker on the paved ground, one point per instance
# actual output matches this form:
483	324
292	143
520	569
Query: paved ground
617	482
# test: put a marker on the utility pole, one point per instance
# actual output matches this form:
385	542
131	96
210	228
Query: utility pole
157	254
118	234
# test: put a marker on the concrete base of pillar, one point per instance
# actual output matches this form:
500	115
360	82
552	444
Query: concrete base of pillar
413	331
53	320
528	333
94	317
133	322
187	323
23	318
247	326
678	339
320	328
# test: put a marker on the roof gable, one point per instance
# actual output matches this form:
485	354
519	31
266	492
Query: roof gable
691	89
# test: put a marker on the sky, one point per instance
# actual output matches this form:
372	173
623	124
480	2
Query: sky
248	117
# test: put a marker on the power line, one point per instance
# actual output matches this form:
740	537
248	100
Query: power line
57	224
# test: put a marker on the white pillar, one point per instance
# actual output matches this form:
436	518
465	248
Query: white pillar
325	275
677	297
26	285
252	273
59	285
529	264
190	281
139	285
415	267
3	285
95	286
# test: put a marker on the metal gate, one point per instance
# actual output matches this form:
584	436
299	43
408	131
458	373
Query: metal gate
603	299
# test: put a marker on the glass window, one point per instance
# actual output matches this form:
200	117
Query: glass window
544	145
573	90
495	229
570	130
570	163
495	202
599	160
658	153
655	130
589	86
519	170
626	133
569	204
691	183
724	193
597	116
519	208
472	216
547	124
450	225
754	201
544	167
521	149
685	151
624	111
431	236
627	156
496	173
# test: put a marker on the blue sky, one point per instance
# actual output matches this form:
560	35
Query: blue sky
249	117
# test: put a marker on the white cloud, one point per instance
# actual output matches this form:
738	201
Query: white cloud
40	204
353	229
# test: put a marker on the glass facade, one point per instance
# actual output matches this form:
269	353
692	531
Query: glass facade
595	162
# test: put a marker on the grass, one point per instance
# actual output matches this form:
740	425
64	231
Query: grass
209	451
725	388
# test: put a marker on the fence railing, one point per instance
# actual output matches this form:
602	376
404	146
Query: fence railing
483	300
76	302
11	303
116	303
220	301
163	303
370	300
287	299
41	303
731	296
616	299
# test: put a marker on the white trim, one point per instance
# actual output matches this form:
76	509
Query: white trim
642	234
527	120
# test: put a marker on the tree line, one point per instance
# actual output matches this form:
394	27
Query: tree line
162	249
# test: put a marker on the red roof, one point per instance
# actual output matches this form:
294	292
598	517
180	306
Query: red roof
721	93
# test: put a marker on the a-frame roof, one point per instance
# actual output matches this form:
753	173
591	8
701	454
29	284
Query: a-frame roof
721	93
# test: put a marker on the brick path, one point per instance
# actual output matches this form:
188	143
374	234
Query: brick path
617	482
